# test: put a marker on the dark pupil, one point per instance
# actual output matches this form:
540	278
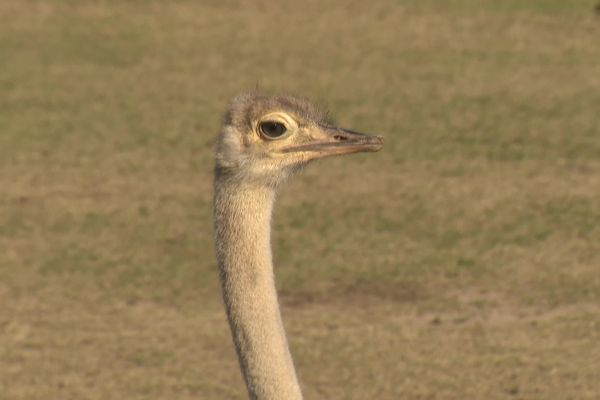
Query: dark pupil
272	129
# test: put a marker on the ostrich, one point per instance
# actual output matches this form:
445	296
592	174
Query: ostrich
263	140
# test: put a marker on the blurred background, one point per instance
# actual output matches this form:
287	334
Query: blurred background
461	262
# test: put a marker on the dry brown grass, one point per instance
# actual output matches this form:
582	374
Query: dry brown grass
459	263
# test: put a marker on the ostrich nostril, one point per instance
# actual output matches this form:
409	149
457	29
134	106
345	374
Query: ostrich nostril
340	138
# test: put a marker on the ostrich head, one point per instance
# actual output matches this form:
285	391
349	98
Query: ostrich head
265	138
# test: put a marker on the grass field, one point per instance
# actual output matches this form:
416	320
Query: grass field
461	262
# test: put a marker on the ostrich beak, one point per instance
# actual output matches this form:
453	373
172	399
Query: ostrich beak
333	141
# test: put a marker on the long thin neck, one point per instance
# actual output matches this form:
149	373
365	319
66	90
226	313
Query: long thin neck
243	249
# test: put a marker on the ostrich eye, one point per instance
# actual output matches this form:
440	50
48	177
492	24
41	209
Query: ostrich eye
272	129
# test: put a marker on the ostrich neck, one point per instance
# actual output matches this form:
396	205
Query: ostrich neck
243	249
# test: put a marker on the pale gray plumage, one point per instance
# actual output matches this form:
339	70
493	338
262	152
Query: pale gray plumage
263	140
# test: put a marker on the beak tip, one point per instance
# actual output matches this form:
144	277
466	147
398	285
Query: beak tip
377	142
